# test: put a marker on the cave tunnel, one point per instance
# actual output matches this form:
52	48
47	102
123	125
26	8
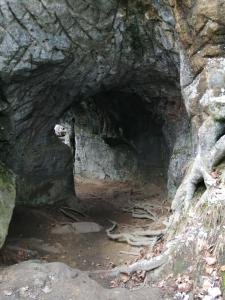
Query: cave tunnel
105	157
94	134
112	149
115	138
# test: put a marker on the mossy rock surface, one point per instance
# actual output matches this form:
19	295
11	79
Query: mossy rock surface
7	200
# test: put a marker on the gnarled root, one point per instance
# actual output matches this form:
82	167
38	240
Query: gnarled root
141	265
136	238
211	151
142	211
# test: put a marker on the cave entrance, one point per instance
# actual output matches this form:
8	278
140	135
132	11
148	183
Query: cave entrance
120	173
120	148
118	139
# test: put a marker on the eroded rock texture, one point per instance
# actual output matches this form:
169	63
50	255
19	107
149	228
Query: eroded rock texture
57	53
7	200
201	28
198	221
60	55
56	281
116	138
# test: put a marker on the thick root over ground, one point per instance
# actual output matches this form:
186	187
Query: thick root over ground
210	152
137	237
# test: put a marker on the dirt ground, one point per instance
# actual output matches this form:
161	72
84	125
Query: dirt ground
45	232
43	238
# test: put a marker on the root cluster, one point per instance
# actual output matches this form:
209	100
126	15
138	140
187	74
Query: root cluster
137	237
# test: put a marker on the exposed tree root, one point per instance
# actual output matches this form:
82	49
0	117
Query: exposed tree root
141	265
142	216
150	232
74	211
142	211
136	238
210	152
129	253
69	215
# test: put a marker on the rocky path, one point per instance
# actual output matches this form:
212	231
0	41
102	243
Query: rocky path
51	235
56	281
58	234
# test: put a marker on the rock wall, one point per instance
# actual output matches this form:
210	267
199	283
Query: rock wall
117	135
55	54
198	219
202	84
7	200
116	139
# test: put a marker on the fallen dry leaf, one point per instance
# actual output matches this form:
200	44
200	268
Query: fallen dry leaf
124	278
184	283
161	283
209	270
113	284
210	260
214	174
207	284
184	287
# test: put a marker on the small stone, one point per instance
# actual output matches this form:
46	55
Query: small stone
46	289
209	270
206	284
214	292
23	290
52	277
222	268
8	293
86	227
210	260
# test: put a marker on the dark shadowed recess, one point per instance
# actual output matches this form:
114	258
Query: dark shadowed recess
119	123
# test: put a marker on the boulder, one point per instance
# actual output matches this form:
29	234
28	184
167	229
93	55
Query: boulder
56	281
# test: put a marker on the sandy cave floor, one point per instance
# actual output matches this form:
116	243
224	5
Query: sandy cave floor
45	232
